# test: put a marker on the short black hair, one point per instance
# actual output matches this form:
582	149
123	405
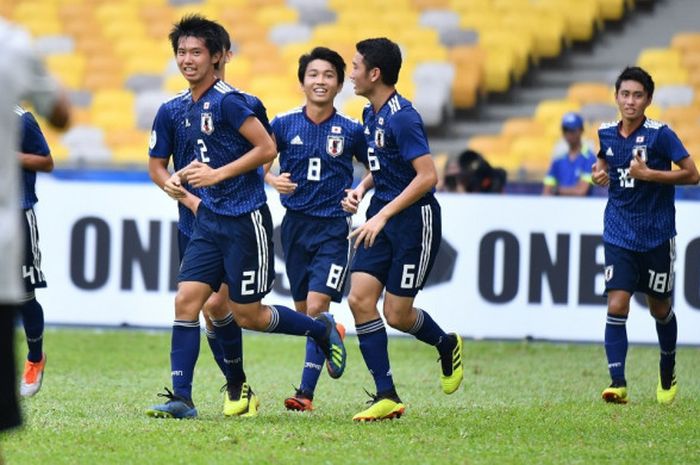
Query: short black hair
635	73
384	54
325	54
198	26
225	37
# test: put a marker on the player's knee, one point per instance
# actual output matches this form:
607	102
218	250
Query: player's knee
217	307
186	307
618	307
397	320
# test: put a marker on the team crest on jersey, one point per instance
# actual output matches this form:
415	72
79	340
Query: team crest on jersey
334	145
640	150
379	138
609	272
207	124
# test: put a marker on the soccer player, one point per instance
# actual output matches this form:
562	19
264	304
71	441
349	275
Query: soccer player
169	139
316	146
22	76
232	237
397	246
570	171
34	155
639	236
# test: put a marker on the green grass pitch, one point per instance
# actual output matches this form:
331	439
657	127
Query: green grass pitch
520	403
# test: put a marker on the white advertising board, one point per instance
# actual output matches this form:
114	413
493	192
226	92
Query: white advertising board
509	266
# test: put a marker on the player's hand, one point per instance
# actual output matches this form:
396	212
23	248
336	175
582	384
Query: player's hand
638	167
283	183
352	200
198	174
368	232
600	176
173	187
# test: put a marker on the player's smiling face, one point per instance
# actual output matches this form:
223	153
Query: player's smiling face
194	61
360	75
632	100
320	82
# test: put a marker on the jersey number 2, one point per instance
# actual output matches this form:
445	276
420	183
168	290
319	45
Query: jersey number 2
202	151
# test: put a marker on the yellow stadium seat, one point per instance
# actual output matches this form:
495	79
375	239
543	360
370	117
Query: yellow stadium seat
272	15
675	116
552	110
466	88
353	107
520	48
136	154
691	61
519	127
489	146
430	4
612	9
655	58
499	69
686	42
582	18
69	68
667	76
590	92
175	83
208	10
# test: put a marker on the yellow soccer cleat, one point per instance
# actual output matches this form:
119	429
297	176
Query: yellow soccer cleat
615	394
240	401
381	408
452	367
666	396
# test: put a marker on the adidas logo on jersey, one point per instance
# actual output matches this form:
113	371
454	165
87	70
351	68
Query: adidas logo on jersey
296	141
609	153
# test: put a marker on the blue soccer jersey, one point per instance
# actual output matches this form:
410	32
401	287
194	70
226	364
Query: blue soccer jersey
32	141
395	136
319	160
213	123
567	172
169	137
639	215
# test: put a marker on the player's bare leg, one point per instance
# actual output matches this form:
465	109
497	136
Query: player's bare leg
667	332
616	345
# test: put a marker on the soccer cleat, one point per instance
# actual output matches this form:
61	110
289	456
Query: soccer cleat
240	401
382	407
666	396
175	407
452	367
32	377
332	346
615	394
299	402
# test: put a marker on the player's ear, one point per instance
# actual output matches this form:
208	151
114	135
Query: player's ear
375	74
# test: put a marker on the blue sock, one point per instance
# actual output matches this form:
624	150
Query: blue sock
230	338
374	347
426	330
667	331
184	350
312	367
216	350
287	321
33	319
616	347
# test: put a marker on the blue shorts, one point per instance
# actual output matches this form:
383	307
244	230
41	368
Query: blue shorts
316	253
405	250
32	275
182	241
237	250
650	272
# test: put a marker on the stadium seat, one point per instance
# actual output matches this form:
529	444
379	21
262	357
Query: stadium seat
282	34
272	15
590	92
599	112
673	95
549	111
686	42
656	58
612	10
353	107
678	115
68	67
518	127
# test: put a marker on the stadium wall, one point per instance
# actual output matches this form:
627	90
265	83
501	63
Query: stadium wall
509	266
